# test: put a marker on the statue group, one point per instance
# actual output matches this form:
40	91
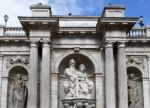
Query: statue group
77	84
19	92
133	93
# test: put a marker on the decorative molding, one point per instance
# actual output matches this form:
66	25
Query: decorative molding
136	60
76	49
24	60
121	45
109	45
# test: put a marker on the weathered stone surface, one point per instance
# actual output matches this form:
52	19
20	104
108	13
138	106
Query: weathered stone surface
106	49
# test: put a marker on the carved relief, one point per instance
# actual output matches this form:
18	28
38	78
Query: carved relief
17	60
77	83
137	60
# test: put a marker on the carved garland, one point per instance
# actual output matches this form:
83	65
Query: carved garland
17	60
136	60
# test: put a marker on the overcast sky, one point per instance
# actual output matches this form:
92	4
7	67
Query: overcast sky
14	8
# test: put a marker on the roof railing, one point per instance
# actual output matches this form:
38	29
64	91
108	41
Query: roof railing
139	32
14	31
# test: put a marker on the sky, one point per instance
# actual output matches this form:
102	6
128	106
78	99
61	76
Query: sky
15	8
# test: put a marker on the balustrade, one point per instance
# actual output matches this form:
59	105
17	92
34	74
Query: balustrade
14	31
137	33
18	31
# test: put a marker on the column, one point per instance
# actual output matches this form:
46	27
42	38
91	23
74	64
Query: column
146	93
4	83
33	80
4	92
1	70
99	90
146	86
122	77
45	76
109	77
55	90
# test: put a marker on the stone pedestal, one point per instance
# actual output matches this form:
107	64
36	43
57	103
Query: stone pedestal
109	77
122	77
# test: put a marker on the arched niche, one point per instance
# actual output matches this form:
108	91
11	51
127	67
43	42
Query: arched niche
17	87
135	87
79	59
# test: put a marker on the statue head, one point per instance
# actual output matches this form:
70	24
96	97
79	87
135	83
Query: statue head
82	67
131	76
72	62
19	77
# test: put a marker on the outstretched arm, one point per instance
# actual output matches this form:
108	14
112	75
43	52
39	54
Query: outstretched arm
71	75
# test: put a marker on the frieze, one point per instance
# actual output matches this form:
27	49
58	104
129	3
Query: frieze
17	60
136	60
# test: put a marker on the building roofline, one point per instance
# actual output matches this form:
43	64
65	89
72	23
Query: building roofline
40	6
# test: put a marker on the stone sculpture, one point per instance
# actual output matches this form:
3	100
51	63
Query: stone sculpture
77	83
70	84
133	93
20	92
85	85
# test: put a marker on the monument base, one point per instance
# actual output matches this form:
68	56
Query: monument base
79	103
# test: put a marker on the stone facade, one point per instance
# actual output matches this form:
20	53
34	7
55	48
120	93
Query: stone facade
75	61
